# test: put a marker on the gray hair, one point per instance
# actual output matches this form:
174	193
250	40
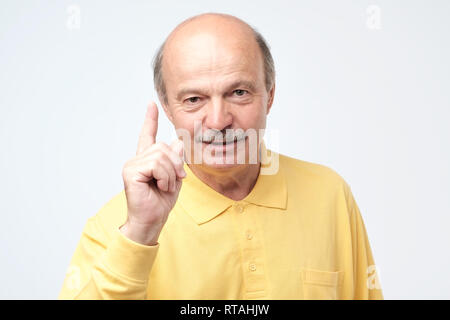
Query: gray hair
269	66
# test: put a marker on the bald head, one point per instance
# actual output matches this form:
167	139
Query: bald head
206	38
213	23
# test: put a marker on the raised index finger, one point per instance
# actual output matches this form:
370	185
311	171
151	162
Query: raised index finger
147	136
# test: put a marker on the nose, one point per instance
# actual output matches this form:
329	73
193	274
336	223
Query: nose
218	115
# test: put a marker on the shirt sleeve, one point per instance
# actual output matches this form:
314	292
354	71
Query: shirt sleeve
366	279
108	266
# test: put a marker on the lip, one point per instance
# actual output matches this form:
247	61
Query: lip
223	146
218	146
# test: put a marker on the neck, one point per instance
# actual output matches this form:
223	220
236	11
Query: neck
235	183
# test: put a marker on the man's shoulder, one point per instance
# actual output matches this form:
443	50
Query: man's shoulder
318	181
310	172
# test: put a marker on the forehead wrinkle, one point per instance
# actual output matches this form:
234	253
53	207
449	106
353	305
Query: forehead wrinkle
208	75
207	54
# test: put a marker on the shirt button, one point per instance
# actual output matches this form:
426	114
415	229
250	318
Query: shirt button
252	267
249	235
239	208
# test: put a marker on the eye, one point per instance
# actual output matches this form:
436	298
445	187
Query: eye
240	92
193	99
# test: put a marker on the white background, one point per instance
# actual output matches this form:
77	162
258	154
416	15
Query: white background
373	104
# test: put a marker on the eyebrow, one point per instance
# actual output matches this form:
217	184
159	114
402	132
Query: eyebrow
240	83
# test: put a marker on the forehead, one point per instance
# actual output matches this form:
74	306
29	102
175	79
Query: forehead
204	57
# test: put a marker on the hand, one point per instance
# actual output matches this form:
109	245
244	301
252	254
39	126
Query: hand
152	181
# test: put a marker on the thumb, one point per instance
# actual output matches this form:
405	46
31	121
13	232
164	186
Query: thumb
178	147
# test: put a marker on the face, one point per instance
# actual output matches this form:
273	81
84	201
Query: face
217	98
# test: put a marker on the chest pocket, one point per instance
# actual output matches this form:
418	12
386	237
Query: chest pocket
321	285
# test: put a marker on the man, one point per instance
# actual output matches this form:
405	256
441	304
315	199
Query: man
219	228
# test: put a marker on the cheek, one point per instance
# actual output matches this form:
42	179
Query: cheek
184	123
252	117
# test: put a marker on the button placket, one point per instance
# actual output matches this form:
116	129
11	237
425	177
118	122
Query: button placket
252	250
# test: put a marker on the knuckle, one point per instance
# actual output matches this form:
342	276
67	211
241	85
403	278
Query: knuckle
159	145
126	169
162	144
152	148
152	165
178	163
173	158
158	154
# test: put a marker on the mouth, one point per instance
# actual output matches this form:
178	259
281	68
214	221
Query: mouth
225	142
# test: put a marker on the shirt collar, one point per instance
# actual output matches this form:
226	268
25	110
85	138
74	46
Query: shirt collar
203	203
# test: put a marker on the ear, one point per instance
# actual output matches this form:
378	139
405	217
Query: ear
166	109
271	97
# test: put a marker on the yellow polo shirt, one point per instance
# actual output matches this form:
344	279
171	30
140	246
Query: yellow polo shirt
298	235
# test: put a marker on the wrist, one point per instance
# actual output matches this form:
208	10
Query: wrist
142	234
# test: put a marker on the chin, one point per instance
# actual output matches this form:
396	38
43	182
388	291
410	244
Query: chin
222	166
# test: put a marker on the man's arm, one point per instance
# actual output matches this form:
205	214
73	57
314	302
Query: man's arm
116	265
366	282
108	266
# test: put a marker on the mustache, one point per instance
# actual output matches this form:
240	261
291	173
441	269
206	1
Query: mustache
219	137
